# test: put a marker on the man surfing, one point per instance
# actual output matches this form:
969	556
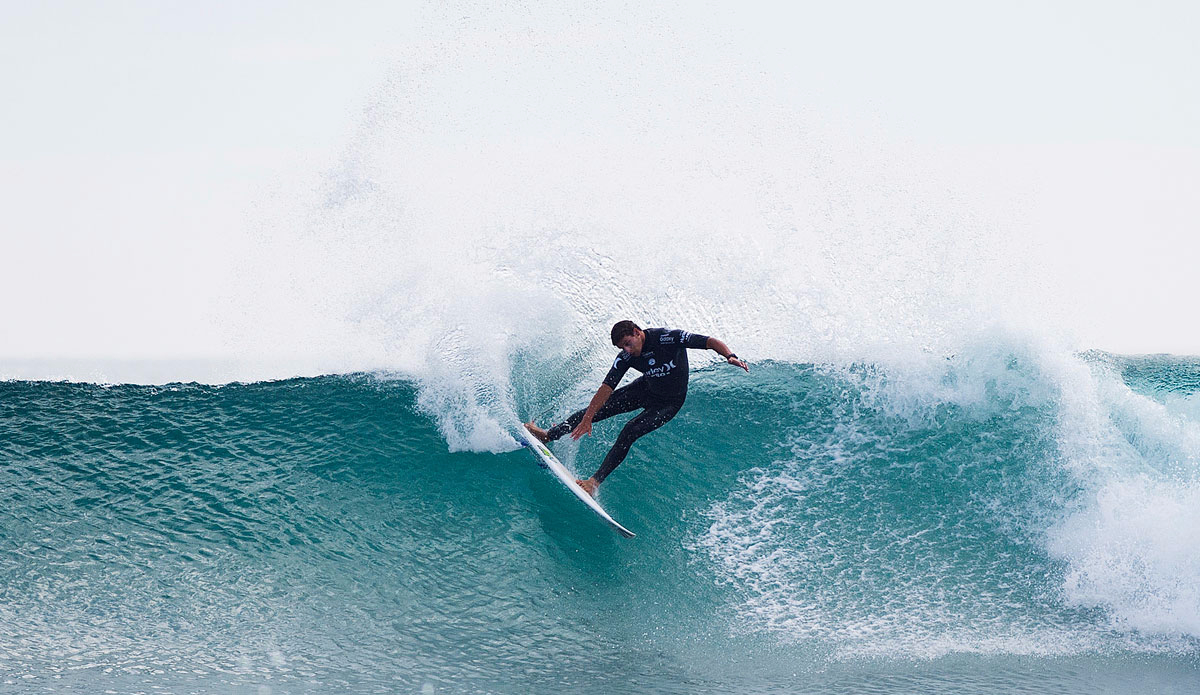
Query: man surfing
660	354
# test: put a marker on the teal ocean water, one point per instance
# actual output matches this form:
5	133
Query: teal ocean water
922	485
987	522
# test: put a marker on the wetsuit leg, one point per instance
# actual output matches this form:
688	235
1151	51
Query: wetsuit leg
625	399
654	416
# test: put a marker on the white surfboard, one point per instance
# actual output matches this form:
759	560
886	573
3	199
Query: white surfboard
551	462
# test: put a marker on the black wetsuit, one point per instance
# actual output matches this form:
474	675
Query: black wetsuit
660	390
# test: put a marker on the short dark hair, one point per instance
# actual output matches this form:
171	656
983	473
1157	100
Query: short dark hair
622	329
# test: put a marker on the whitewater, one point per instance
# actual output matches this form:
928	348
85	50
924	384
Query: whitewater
925	483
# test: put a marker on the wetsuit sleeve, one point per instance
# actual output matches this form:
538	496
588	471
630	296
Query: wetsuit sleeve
690	340
619	367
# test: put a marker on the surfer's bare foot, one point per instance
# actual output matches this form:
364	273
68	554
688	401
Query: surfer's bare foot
589	486
537	432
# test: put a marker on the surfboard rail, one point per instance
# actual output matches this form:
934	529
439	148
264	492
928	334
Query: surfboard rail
547	460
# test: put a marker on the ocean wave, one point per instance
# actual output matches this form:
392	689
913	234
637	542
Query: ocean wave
1000	502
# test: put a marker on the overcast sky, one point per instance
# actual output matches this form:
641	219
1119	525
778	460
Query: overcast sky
143	141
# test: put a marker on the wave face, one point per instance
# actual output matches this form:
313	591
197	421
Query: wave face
991	521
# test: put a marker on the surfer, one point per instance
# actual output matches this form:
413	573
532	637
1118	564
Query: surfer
660	354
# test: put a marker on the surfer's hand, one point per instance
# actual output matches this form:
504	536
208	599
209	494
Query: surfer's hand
584	427
738	363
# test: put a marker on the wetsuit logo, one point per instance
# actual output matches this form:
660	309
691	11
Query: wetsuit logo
651	361
661	370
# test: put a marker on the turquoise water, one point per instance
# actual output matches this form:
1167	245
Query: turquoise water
967	526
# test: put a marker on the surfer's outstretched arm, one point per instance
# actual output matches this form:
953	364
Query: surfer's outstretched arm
723	350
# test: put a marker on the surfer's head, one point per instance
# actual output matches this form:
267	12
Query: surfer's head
627	336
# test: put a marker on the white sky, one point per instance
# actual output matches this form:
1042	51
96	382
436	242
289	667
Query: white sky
141	142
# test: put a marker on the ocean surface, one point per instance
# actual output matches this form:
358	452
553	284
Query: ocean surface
260	441
994	521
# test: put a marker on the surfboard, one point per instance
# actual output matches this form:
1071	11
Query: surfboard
551	463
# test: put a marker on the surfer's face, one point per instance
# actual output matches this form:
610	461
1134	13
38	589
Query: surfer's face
633	343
